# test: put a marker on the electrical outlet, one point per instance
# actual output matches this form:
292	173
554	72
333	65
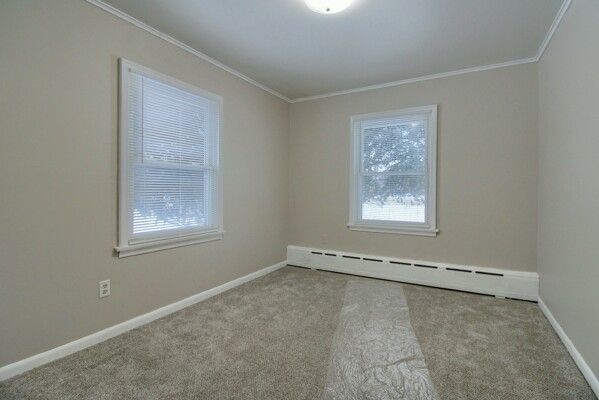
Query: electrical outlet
104	288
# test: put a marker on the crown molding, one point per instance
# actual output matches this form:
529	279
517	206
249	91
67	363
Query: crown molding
418	79
539	54
553	28
120	14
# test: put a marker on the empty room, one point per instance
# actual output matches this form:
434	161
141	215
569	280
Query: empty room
299	199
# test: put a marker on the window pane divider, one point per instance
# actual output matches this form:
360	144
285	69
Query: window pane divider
174	166
410	173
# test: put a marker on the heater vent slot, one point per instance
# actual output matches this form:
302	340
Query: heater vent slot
330	254
372	259
352	257
317	252
459	270
425	266
399	263
488	273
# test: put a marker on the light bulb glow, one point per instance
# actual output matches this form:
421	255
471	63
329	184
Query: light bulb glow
328	6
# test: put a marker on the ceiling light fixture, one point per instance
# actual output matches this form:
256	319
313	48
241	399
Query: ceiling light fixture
328	6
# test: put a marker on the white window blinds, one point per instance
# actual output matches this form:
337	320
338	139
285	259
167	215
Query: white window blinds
393	179
171	171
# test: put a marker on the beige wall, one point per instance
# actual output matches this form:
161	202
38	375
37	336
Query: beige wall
569	177
58	177
487	170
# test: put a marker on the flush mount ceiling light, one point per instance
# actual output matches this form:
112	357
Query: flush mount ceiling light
328	6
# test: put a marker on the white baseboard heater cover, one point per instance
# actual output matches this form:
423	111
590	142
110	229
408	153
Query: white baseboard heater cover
498	282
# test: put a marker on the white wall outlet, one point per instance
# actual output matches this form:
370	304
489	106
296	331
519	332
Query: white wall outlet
104	288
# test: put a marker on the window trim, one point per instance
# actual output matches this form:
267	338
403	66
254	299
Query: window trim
125	246
429	228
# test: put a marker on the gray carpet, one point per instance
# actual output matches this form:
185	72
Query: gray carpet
480	347
277	338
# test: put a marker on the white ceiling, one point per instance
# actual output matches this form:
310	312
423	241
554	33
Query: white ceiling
299	53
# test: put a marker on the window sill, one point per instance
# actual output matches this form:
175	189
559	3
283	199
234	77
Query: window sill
394	230
157	245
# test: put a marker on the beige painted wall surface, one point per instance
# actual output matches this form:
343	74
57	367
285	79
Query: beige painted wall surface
58	180
487	170
569	177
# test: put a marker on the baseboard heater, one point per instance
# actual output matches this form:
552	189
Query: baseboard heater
490	281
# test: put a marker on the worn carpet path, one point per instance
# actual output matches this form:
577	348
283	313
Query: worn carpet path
288	335
375	353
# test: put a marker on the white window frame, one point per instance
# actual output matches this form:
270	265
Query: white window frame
356	223
126	247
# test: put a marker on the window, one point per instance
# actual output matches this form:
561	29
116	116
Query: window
393	176
169	174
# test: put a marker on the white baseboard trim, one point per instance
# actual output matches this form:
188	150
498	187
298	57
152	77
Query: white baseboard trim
578	359
37	360
492	281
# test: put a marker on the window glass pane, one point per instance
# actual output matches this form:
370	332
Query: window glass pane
394	198
166	199
395	147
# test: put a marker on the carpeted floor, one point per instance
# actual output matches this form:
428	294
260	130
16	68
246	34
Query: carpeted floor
301	334
481	347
